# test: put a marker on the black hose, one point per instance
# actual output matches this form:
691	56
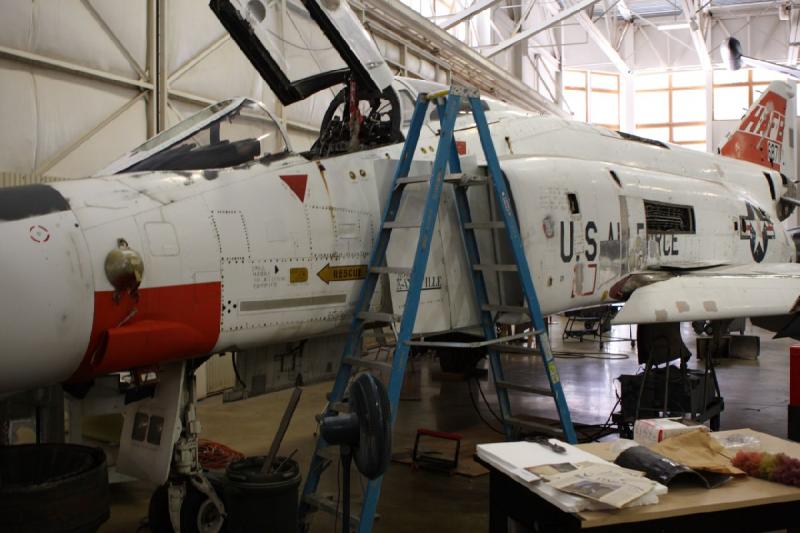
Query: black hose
488	406
478	411
236	370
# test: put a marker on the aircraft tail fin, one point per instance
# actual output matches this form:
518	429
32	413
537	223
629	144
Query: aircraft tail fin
765	135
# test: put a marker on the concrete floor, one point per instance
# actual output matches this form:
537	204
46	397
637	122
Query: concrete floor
755	395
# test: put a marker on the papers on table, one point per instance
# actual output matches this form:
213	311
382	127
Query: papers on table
611	485
521	461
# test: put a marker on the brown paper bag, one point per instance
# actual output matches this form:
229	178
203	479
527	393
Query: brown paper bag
697	450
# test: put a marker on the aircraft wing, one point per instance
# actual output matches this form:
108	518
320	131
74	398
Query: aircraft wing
763	290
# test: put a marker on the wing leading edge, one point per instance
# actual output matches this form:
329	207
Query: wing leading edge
765	290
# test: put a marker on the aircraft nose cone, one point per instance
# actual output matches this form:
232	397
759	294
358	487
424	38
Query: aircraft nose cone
46	289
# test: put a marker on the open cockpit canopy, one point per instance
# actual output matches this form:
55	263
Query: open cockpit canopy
305	47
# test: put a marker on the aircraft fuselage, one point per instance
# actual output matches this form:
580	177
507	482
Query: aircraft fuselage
273	252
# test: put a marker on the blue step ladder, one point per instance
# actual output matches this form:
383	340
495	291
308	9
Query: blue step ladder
449	104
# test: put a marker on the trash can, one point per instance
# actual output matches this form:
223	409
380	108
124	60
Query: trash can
255	502
53	487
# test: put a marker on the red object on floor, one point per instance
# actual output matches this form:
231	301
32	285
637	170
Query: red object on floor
433	460
216	456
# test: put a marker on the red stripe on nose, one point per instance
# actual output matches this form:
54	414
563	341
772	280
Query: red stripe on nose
165	324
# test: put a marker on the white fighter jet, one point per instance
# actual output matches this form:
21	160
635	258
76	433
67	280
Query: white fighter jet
217	236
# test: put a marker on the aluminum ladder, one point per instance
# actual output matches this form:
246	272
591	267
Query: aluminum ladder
449	104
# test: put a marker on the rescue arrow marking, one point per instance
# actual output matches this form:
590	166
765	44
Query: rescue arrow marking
342	273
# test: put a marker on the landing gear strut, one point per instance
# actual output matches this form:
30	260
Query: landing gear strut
187	503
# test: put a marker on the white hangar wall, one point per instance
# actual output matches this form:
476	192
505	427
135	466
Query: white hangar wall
78	83
83	81
44	110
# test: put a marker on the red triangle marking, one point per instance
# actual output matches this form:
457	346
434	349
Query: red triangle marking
297	183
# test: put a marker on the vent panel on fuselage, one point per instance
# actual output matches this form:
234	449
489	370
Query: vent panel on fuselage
662	217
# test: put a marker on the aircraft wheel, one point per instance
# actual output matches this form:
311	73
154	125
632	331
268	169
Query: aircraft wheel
703	327
198	513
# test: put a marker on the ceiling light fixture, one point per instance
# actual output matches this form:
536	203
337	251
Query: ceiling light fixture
676	26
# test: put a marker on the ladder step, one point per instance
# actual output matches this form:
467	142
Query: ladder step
494	267
515	348
368	363
467	180
394	224
505	309
354	361
499	341
373	316
534	426
410	180
502	384
329	505
390	270
488	224
458	178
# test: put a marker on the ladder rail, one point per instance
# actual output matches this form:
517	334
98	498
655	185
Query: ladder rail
377	257
479	285
487	323
422	253
446	158
512	228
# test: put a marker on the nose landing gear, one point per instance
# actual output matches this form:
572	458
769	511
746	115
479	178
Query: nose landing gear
193	503
160	444
190	505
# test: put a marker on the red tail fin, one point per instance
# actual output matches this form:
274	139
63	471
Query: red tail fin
764	136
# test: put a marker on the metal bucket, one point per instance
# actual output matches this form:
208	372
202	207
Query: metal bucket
255	502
